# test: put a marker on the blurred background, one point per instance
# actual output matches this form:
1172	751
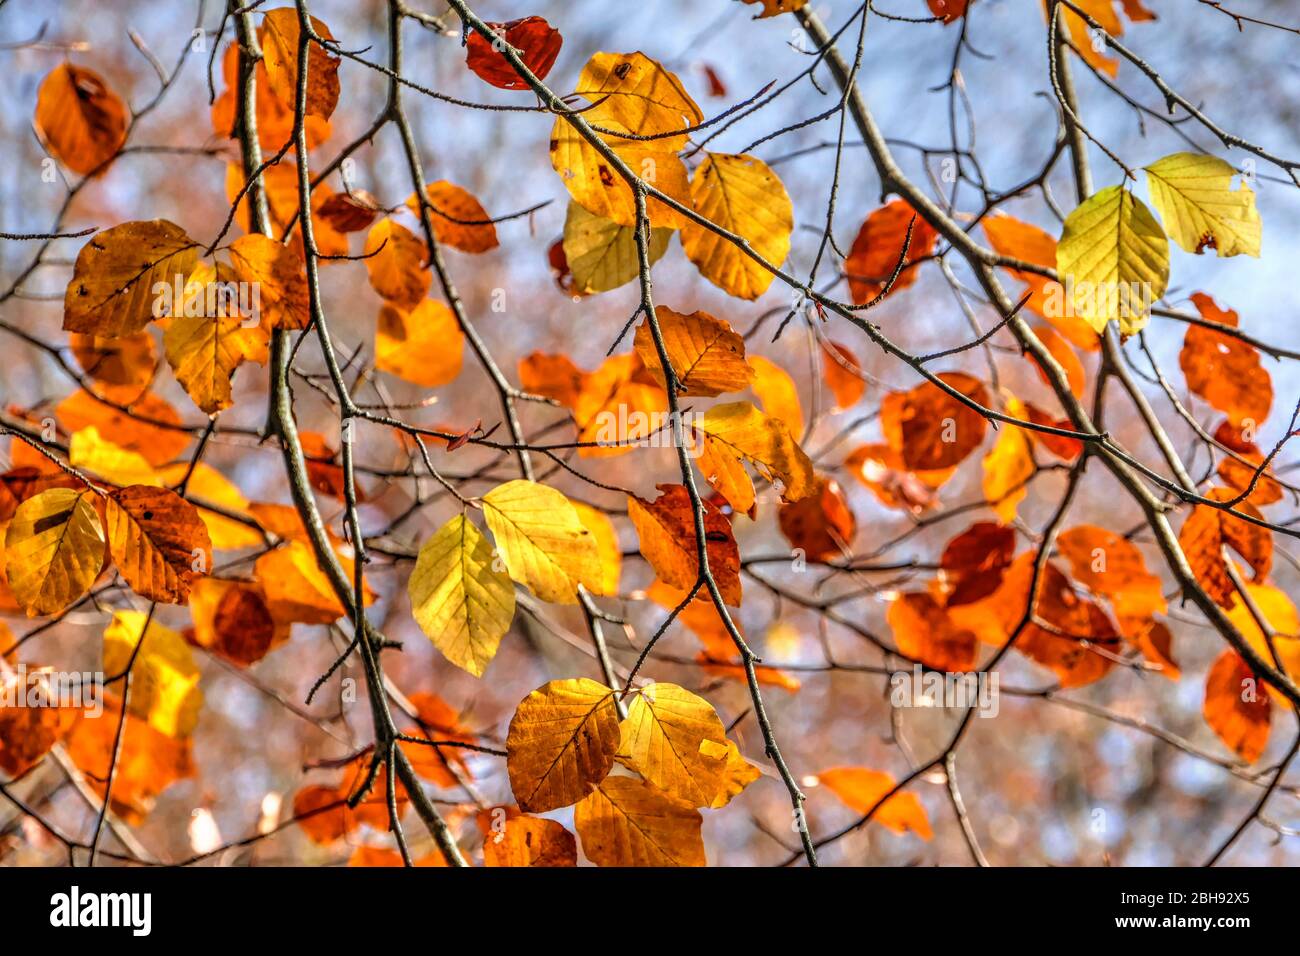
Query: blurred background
1044	784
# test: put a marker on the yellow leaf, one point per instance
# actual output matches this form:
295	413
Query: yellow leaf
205	345
664	739
164	678
1193	194
598	186
640	95
740	430
54	548
158	542
1279	611
776	392
542	540
211	486
601	254
112	292
280	277
607	547
91	453
461	602
707	356
627	822
742	195
1114	261
1008	466
561	743
738	773
424	345
394	260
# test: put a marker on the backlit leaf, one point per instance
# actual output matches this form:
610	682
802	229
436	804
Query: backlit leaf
664	739
542	540
707	357
561	743
1193	194
627	822
158	541
54	548
81	120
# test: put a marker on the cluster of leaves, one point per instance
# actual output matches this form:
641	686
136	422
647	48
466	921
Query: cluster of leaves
106	490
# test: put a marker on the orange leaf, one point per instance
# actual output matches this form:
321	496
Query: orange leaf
537	42
666	528
929	428
1235	706
879	246
1208	530
861	790
82	121
1224	370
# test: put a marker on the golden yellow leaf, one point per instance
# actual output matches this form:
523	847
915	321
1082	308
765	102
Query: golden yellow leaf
607	547
54	548
737	774
707	356
120	274
664	740
561	743
1113	259
742	195
424	345
298	589
164	678
394	263
1193	194
601	254
158	542
542	540
627	822
460	600
207	343
1008	466
740	430
91	453
776	392
1279	611
640	95
212	487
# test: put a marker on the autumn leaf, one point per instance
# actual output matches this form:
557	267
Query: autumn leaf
542	540
278	275
863	790
924	631
880	468
1015	239
205	350
973	563
1208	530
843	373
54	549
423	345
742	195
738	431
28	733
1224	370
666	529
394	260
664	739
627	822
601	254
561	743
82	122
1113	259
537	42
1242	471
530	841
821	525
90	453
772	8
1112	566
147	760
929	428
147	425
1235	708
878	249
279	35
112	292
461	600
1008	468
164	678
777	394
458	219
128	363
608	551
297	589
158	541
233	618
707	357
1193	194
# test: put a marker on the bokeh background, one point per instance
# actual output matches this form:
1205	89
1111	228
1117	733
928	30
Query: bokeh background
1043	784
